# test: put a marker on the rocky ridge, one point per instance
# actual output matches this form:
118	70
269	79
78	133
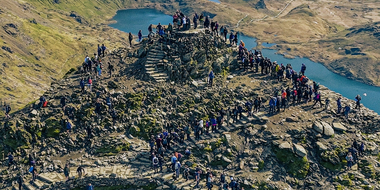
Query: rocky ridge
301	148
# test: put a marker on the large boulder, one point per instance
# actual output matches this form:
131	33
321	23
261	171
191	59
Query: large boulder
339	127
285	146
317	126
327	129
300	150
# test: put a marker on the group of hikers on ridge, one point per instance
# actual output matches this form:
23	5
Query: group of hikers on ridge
298	90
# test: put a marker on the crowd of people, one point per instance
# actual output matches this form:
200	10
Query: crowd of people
297	91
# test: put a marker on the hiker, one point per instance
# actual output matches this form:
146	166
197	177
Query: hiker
361	149
20	180
187	152
303	69
207	23
339	104
103	49
213	124
160	161
209	180
201	20
222	180
82	84
349	159
211	77
7	111
327	102
89	187
89	83
150	29
283	99
354	153
63	102
232	38
347	109
173	161
99	69
31	160
108	102
66	171
130	38
10	160
358	98
34	173
225	32
68	126
197	178
140	35
240	111
110	69
195	20
186	172
177	169
99	50
317	99
257	104
80	171
272	104
236	38
155	162
42	101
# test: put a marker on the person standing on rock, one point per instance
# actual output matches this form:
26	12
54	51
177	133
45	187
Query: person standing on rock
211	78
10	160
173	161
103	49
7	111
350	160
303	69
63	102
317	99
177	168
66	171
236	38
209	180
347	109
155	162
99	50
327	102
140	35
361	149
20	181
201	20
150	29
283	99
358	99
339	104
197	178
34	173
110	68
225	32
130	38
68	126
232	38
207	22
89	83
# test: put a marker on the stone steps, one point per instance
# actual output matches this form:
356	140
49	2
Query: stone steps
38	184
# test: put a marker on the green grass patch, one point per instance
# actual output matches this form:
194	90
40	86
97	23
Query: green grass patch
296	166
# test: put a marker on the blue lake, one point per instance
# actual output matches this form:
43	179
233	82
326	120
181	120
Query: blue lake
133	20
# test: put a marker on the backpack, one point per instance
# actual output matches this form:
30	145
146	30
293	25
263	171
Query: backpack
31	169
155	160
165	141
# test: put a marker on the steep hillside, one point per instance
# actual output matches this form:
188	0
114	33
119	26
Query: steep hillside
41	40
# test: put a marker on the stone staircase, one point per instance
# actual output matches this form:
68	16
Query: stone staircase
155	63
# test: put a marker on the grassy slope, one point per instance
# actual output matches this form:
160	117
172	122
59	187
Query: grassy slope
45	51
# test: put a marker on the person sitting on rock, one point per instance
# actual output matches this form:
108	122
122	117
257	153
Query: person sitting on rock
81	172
89	187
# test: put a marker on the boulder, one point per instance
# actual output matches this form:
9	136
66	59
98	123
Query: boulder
241	165
299	150
285	145
321	146
228	139
292	119
327	129
34	112
226	159
317	126
339	127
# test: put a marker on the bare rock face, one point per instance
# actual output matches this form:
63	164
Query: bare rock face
261	5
